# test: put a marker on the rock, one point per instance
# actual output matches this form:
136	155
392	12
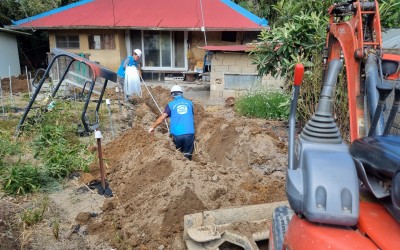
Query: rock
83	217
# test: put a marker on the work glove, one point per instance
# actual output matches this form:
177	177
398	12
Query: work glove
151	130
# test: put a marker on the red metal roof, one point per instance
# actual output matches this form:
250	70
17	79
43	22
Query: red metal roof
232	48
148	14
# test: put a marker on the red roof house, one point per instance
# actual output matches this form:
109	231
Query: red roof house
170	33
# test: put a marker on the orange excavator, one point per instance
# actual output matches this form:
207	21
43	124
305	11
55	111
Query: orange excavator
346	196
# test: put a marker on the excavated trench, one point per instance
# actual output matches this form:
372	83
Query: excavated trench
237	162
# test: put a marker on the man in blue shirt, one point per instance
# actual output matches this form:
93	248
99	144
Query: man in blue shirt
181	113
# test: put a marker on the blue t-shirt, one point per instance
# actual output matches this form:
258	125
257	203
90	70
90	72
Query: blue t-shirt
129	61
181	113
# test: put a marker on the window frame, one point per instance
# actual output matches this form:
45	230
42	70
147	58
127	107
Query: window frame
103	43
172	53
68	42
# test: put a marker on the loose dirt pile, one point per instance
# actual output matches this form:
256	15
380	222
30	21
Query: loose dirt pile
18	84
238	161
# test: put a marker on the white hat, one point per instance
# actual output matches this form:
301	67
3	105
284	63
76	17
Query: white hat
176	88
138	52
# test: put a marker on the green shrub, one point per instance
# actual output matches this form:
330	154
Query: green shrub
273	105
7	147
56	148
62	159
22	179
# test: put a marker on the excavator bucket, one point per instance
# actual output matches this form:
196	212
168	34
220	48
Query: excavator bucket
241	226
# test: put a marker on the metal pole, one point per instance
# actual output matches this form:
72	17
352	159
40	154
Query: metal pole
98	137
109	114
9	75
27	81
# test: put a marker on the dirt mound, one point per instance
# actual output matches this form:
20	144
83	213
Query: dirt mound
238	161
18	84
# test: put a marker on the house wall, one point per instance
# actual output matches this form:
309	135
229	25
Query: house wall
224	65
110	58
9	58
197	40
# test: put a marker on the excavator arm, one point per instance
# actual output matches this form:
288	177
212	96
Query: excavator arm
324	173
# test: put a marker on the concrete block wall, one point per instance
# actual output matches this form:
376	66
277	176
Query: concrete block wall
234	63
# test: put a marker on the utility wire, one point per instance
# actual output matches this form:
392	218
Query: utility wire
203	28
22	6
113	11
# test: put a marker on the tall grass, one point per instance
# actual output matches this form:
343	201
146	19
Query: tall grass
263	103
22	179
56	149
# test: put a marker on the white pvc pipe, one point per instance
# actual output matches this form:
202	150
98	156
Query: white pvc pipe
27	81
1	96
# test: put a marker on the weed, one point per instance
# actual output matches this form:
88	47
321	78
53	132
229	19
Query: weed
22	179
7	146
56	148
264	104
34	214
56	228
7	125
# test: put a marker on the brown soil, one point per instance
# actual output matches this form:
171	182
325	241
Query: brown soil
238	161
18	84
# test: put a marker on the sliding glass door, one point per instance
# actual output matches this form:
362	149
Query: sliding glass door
164	50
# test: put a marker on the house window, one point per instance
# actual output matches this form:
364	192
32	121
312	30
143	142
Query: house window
104	41
228	36
163	49
67	41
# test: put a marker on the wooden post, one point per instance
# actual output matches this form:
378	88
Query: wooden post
98	137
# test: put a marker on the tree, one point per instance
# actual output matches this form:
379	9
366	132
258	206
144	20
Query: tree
261	8
298	35
19	9
294	37
299	31
33	48
9	10
389	11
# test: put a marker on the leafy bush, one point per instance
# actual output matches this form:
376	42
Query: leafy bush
56	148
60	155
22	179
292	42
264	104
62	159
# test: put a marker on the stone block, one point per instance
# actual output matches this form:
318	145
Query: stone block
216	75
217	61
216	87
221	68
228	93
235	69
249	70
216	93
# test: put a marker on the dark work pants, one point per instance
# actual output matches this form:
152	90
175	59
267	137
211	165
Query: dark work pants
185	144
